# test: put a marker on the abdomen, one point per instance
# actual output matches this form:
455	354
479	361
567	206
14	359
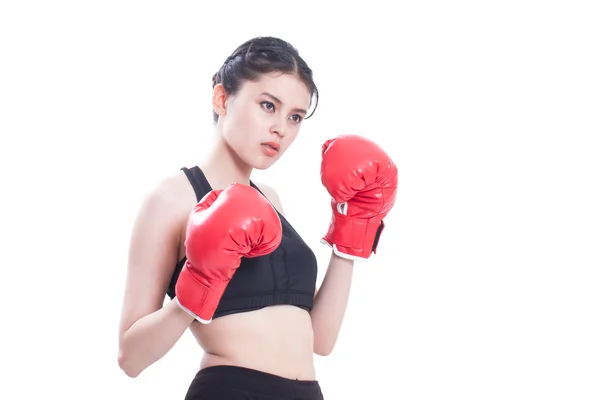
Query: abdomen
276	340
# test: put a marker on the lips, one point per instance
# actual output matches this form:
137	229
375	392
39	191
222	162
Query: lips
273	145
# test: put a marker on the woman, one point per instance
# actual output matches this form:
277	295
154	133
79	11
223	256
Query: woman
249	299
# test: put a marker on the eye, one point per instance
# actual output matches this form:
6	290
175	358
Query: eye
296	118
268	105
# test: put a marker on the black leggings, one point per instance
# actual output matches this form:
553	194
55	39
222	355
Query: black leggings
226	382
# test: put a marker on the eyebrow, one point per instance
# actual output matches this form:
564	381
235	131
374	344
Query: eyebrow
298	110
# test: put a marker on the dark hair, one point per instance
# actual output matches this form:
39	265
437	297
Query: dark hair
259	56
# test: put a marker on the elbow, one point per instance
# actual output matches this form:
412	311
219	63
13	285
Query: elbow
323	349
127	366
324	340
323	353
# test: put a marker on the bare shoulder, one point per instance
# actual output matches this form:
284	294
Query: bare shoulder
164	210
271	195
173	192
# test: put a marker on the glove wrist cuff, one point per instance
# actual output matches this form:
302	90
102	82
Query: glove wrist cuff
354	237
199	299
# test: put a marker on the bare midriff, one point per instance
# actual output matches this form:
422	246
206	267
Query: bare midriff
277	340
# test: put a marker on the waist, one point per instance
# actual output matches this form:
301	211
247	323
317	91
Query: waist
276	340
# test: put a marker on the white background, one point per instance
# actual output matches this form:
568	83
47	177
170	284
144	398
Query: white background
487	281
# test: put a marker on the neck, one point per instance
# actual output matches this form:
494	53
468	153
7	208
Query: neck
222	166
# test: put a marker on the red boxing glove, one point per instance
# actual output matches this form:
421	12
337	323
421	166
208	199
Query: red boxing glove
362	181
225	226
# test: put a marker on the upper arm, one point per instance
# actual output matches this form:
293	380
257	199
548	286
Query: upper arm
271	195
153	252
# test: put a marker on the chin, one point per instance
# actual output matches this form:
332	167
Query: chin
264	165
259	161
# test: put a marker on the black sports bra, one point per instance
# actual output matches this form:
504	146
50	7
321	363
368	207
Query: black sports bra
286	276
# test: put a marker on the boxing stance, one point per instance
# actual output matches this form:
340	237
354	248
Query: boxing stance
239	277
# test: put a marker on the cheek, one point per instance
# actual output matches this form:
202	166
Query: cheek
238	123
291	137
251	120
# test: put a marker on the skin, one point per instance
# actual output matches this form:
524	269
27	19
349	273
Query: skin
280	340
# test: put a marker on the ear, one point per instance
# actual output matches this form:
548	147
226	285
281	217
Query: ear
219	99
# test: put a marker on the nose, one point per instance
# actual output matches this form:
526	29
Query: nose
278	127
278	130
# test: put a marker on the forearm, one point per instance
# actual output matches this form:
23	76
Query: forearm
330	304
151	337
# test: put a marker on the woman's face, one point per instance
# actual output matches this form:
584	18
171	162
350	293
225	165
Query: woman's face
263	119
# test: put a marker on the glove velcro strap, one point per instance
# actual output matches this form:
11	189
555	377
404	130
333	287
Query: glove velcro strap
199	298
360	235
